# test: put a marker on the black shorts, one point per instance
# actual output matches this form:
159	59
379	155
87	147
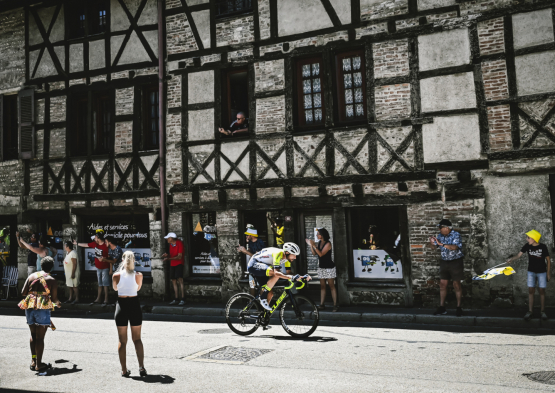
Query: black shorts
128	312
258	271
452	270
176	272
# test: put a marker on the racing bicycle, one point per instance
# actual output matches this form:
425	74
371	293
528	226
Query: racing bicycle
298	315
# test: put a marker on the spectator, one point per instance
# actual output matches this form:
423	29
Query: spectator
254	245
127	282
278	228
239	126
72	272
31	256
326	266
41	293
115	254
538	255
41	251
102	268
451	265
176	258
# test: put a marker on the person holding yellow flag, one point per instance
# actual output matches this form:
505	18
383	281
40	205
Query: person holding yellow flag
538	258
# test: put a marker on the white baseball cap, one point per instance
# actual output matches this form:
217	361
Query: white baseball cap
171	234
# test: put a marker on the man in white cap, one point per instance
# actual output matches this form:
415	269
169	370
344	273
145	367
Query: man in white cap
254	245
176	258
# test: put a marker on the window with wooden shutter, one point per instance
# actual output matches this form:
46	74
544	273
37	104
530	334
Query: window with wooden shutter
26	109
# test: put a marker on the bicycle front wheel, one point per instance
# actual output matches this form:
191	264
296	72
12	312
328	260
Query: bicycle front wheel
300	321
242	314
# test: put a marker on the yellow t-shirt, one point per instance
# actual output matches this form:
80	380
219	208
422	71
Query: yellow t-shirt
279	236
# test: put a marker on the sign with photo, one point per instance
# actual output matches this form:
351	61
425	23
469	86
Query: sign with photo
142	259
376	264
59	261
204	244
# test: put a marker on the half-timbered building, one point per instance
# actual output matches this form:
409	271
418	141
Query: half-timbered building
373	119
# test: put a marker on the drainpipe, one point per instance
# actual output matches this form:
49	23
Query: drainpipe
161	114
162	132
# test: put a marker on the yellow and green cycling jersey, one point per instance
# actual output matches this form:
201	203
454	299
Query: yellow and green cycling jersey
271	256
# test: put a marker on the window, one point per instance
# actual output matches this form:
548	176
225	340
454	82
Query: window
87	18
376	244
8	128
232	7
351	86
310	98
100	126
205	259
236	100
150	134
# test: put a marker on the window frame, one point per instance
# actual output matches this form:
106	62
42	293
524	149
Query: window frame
299	116
340	87
245	11
225	117
93	101
146	118
90	10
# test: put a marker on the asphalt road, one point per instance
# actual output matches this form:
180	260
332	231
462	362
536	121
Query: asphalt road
336	359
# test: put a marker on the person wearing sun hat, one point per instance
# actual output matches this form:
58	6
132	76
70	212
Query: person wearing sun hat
253	245
539	269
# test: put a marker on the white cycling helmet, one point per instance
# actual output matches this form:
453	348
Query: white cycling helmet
292	248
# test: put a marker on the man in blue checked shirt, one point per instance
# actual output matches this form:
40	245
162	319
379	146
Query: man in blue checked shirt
451	266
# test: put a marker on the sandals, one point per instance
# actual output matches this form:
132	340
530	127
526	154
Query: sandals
104	304
335	308
127	374
44	368
93	303
321	307
142	371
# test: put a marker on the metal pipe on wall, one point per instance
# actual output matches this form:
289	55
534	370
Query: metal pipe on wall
161	115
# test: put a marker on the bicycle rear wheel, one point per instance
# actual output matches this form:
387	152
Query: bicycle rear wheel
242	314
302	325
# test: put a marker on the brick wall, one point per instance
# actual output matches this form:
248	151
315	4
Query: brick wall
494	74
235	31
392	102
271	192
179	36
270	115
58	109
11	177
391	58
499	120
57	143
174	92
377	10
339	189
302	192
124	137
264	18
237	194
12	48
124	101
491	36
269	75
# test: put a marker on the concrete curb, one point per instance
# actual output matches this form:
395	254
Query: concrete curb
342	316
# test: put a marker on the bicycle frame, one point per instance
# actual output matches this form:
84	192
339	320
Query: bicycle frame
288	292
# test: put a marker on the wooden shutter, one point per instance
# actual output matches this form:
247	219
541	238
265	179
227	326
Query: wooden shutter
26	117
1	127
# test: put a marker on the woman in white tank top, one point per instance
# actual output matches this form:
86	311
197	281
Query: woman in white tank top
127	282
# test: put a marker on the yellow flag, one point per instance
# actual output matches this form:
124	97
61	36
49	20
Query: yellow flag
49	233
198	227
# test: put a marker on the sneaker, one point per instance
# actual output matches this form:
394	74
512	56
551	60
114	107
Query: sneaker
265	304
440	311
528	316
459	312
173	302
182	303
267	327
544	316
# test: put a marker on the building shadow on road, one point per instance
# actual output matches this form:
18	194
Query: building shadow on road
311	339
162	379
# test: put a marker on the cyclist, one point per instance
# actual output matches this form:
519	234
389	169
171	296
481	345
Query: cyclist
266	267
